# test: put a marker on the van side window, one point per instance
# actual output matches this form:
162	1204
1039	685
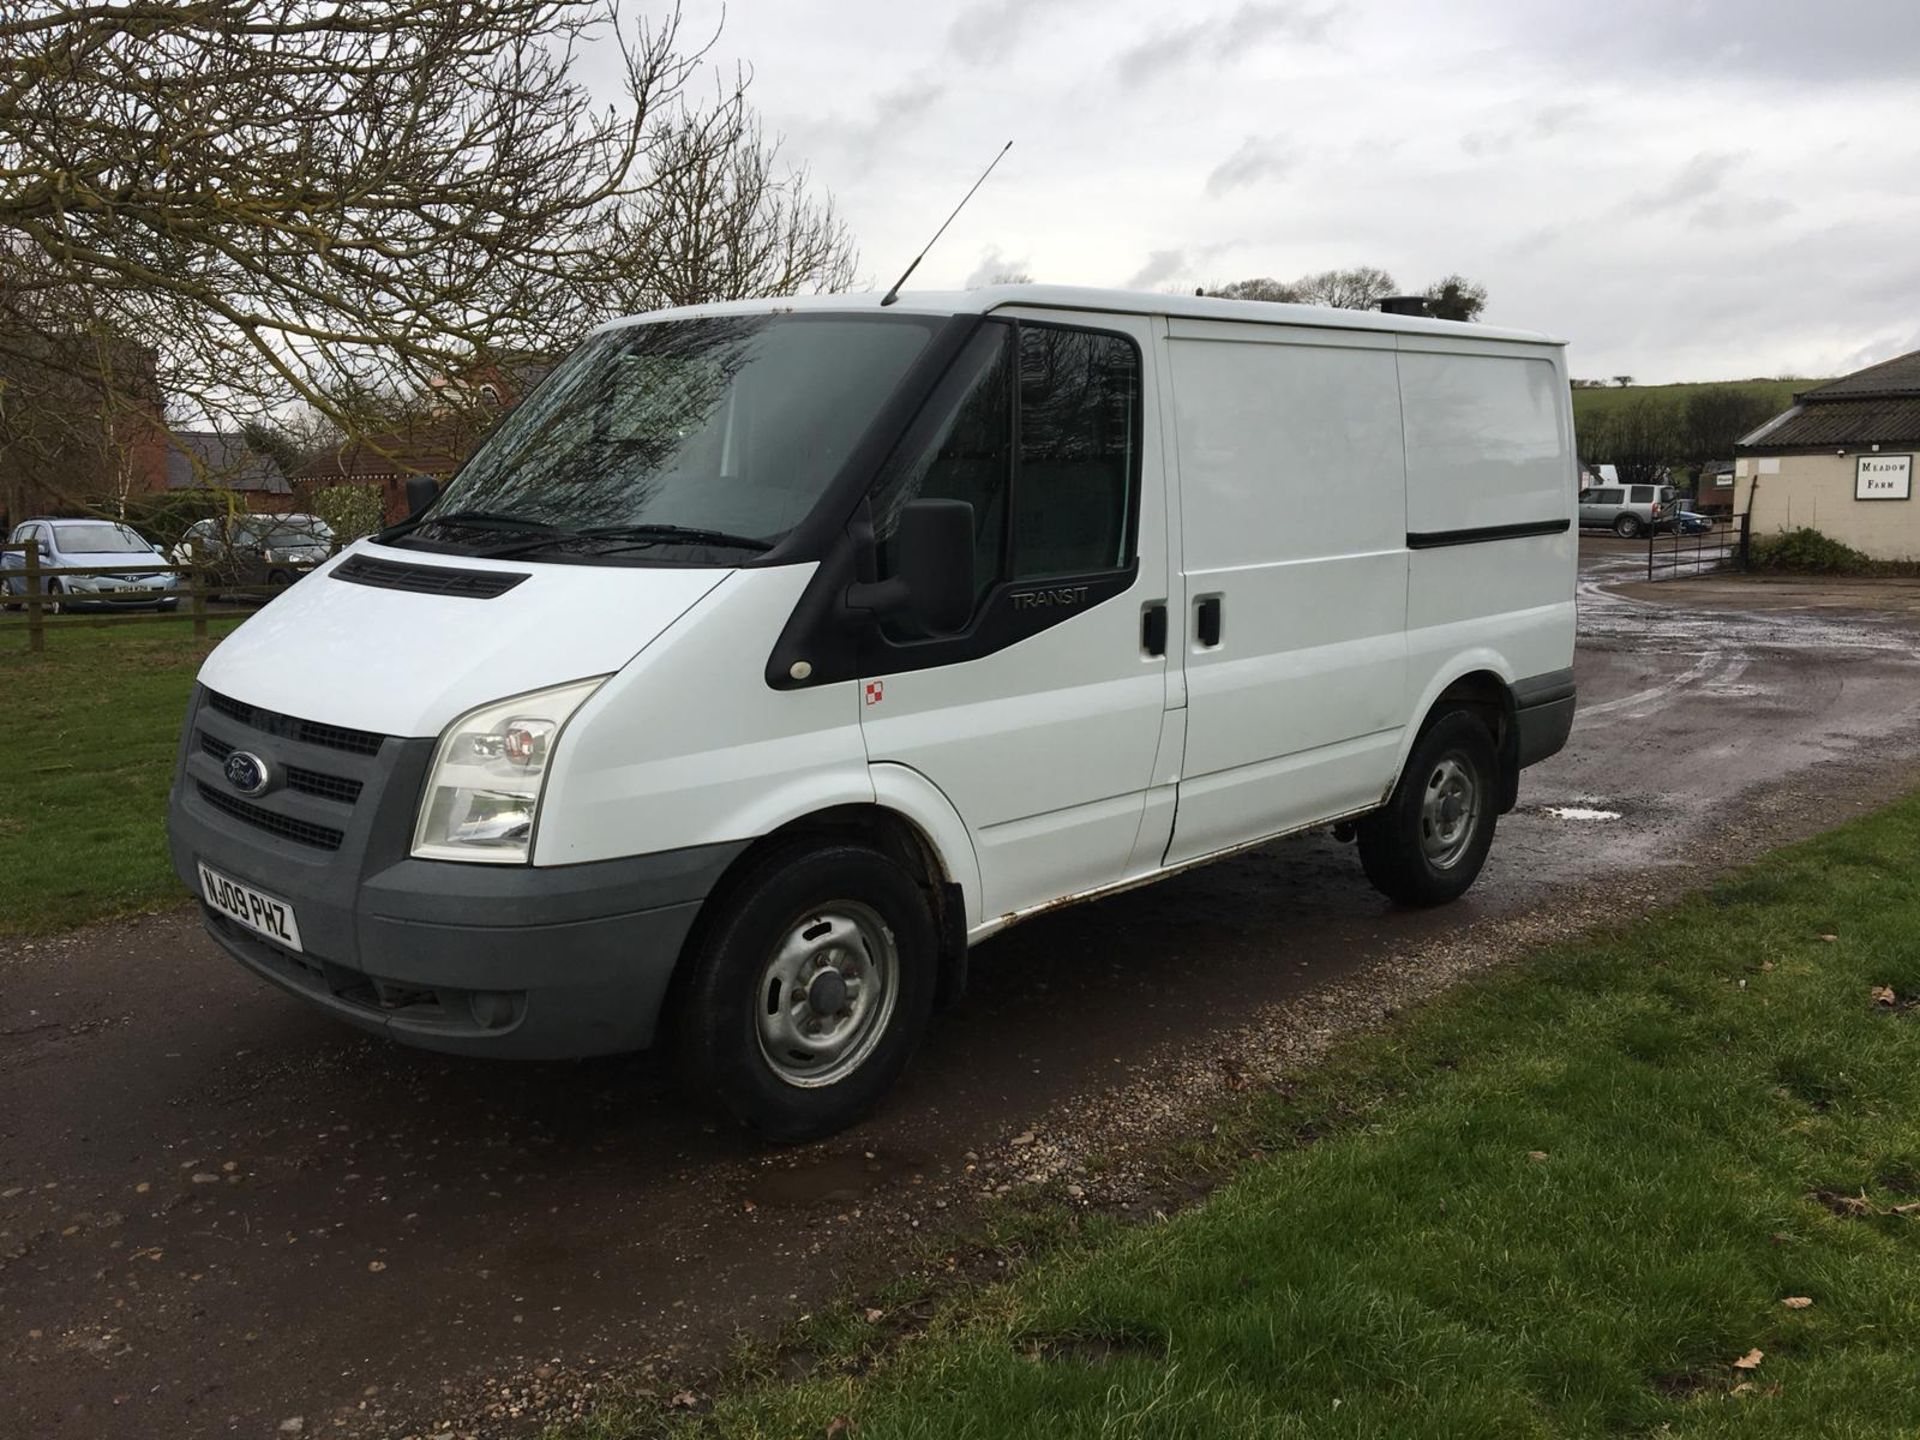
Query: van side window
1078	393
966	454
1059	501
1615	496
1642	494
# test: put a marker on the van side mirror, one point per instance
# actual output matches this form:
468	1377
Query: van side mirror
422	491
933	580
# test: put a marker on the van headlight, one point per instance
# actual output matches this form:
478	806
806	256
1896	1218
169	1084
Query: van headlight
483	792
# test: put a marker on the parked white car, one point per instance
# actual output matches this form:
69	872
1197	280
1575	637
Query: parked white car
771	655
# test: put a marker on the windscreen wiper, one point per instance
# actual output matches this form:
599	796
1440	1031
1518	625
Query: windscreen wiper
479	519
674	535
622	537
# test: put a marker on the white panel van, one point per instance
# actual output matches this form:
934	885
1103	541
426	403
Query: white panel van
771	655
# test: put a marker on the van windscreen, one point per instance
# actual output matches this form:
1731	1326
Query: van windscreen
718	432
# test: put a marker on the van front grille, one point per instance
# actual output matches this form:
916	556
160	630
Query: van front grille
307	782
302	832
307	732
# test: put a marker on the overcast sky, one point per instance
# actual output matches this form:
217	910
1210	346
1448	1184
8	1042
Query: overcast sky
1682	190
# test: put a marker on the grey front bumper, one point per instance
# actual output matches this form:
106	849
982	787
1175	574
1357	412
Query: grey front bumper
516	961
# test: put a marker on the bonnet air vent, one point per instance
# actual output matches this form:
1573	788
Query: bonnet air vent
427	579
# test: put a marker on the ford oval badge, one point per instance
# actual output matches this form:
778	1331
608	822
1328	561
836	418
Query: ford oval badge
248	773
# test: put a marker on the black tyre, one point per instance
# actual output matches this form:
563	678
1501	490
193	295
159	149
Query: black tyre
1628	527
1427	844
55	602
279	579
808	991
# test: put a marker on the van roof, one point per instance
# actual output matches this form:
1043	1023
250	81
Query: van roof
1091	298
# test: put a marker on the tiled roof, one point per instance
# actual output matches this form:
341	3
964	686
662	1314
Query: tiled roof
1898	376
1849	423
209	458
1879	405
389	454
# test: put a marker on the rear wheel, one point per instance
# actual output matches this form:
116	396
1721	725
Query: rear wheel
809	992
1628	527
55	603
1426	845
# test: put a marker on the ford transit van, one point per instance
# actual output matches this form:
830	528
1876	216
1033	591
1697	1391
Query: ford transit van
769	656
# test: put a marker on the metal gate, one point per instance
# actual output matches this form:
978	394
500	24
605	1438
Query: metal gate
1677	554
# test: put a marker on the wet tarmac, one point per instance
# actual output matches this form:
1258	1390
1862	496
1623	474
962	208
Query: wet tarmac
220	1212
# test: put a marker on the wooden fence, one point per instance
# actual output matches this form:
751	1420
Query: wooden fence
201	584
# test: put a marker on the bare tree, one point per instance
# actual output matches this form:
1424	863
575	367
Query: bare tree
1262	288
1714	417
1360	288
1639	438
303	199
725	219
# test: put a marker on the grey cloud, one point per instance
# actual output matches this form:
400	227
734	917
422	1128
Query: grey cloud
1161	266
1543	124
1222	37
984	33
888	111
996	267
1701	177
1257	159
1784	40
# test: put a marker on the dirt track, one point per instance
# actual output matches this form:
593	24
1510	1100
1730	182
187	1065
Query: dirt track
219	1211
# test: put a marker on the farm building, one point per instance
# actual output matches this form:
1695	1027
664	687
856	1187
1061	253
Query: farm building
1841	461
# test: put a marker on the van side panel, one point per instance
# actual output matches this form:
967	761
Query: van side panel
1293	513
1489	448
689	746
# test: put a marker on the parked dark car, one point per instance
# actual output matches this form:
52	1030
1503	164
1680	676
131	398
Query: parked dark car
1691	522
254	550
130	579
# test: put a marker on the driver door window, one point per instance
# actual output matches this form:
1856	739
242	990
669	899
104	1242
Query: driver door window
1039	433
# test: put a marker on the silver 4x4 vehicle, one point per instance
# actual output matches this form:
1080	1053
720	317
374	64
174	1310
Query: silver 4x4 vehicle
1630	511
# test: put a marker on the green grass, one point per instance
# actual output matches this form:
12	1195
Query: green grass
92	725
1588	402
1560	1202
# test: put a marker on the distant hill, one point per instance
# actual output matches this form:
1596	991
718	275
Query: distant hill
1587	402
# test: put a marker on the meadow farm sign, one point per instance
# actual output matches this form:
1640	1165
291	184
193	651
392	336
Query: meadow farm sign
1883	477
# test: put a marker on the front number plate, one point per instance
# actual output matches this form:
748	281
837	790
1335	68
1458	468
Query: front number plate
256	910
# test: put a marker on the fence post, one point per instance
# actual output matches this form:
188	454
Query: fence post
197	599
1746	536
36	629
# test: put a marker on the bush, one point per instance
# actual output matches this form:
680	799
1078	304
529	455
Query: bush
1807	552
350	510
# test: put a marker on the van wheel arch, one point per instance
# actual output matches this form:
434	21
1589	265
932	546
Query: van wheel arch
886	831
1488	697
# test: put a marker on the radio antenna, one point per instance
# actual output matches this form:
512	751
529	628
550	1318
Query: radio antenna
894	293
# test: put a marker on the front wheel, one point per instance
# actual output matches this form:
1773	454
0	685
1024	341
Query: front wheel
1427	844
1627	527
809	990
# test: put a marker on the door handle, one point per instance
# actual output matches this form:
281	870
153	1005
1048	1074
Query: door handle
1153	628
1206	625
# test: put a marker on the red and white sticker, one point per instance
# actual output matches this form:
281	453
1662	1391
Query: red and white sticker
876	691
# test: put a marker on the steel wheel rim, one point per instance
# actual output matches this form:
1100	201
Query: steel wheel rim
826	994
1449	812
